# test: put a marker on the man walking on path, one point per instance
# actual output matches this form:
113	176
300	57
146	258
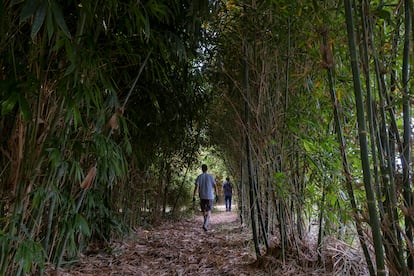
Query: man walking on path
204	184
228	192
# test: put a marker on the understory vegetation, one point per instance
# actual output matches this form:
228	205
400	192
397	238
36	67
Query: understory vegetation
109	108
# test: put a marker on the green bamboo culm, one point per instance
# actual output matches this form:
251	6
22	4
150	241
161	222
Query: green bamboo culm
380	139
406	160
386	151
248	145
362	131
344	157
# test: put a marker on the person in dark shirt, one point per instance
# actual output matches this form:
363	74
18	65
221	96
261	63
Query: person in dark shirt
228	192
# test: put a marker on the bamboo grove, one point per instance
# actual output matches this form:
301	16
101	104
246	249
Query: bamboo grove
105	106
321	93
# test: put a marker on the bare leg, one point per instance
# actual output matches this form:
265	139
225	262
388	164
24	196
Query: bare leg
206	219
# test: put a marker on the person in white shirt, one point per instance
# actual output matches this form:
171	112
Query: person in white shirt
205	183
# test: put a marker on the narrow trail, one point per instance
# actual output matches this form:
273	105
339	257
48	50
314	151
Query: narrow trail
176	248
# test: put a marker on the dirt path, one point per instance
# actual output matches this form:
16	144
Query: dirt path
183	248
177	248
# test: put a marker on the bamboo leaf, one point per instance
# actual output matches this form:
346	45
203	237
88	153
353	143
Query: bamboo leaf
28	253
77	117
60	20
383	13
28	10
49	25
24	108
76	172
55	157
70	69
9	104
82	225
38	20
39	196
15	2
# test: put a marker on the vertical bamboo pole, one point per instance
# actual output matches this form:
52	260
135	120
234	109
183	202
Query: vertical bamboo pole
250	169
392	237
242	194
328	60
362	135
406	160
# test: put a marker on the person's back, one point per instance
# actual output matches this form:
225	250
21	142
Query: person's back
228	192
227	188
205	184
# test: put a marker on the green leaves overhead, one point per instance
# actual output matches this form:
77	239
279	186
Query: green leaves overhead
37	10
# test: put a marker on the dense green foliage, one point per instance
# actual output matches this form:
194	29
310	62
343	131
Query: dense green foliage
101	108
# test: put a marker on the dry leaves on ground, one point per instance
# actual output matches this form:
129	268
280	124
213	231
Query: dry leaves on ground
175	248
183	248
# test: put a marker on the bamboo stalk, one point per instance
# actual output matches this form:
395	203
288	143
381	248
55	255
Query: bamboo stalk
250	169
391	236
282	229
260	215
362	132
342	147
320	222
242	194
406	160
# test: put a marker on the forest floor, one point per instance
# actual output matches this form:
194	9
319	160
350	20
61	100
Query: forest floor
183	248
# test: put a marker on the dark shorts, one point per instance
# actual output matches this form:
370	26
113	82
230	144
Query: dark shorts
206	204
